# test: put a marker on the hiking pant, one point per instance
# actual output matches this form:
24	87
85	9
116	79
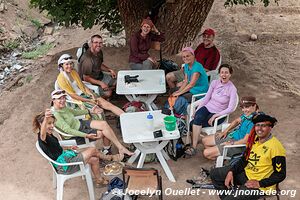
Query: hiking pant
147	64
241	192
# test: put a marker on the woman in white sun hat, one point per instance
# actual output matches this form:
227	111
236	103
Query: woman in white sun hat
69	81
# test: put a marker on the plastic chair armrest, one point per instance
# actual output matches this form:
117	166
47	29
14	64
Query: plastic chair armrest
217	119
65	143
197	95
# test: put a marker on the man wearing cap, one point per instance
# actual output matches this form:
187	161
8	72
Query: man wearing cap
80	129
92	69
206	53
261	168
140	43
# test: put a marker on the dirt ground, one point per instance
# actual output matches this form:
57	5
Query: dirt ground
267	68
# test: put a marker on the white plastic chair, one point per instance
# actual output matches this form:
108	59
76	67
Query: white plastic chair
62	134
59	179
214	74
225	156
215	127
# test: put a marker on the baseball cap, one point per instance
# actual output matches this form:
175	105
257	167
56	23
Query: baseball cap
64	58
208	31
189	49
56	94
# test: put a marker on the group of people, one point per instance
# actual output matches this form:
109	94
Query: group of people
263	164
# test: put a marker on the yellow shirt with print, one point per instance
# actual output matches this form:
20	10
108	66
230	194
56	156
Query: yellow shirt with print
260	160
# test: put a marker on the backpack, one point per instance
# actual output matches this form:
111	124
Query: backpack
168	65
135	106
175	151
81	51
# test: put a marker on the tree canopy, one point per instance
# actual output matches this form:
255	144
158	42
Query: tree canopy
106	12
117	15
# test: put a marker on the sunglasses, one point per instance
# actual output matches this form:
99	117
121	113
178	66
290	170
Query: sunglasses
68	58
59	92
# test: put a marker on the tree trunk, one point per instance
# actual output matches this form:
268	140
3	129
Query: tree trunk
181	21
132	12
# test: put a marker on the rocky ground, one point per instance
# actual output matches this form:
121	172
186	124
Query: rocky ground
266	68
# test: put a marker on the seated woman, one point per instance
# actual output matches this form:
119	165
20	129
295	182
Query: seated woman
69	81
140	43
195	82
236	133
92	129
220	99
43	124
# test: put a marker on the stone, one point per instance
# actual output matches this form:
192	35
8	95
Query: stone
16	54
2	7
253	37
48	30
49	39
30	31
17	67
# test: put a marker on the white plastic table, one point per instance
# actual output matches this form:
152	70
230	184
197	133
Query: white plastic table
135	130
151	83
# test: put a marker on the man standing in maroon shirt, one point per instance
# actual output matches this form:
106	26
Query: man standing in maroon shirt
206	53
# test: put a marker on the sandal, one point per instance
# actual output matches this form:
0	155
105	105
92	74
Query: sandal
101	182
190	151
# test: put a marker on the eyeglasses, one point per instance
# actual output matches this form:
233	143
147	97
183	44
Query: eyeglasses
97	42
262	125
68	58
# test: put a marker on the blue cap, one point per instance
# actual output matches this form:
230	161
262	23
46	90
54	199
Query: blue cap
149	116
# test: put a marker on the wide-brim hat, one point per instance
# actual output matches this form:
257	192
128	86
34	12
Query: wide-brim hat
247	101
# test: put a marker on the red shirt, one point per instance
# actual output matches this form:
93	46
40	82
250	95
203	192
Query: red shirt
140	46
208	57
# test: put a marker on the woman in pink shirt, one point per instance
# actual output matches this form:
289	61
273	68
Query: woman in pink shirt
220	99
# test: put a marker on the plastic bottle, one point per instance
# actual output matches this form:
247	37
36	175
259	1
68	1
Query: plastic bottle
150	122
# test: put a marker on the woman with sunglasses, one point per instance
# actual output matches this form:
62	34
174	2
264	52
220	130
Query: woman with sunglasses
220	99
236	133
69	81
43	123
80	129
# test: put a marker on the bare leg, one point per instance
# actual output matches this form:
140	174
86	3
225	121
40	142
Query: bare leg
90	155
171	80
109	106
195	135
211	153
109	134
209	141
107	94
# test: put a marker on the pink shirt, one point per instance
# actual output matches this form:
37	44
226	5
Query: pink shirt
220	98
